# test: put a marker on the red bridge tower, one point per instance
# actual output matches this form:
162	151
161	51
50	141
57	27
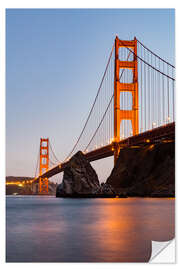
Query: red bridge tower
44	165
119	87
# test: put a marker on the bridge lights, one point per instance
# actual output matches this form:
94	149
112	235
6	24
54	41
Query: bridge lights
153	124
168	119
111	140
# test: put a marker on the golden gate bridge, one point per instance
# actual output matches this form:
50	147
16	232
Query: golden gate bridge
134	105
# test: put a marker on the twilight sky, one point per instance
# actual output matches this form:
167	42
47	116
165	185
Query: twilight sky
55	59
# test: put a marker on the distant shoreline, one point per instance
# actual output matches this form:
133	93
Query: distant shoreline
88	197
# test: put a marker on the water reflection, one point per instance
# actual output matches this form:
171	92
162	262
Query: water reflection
50	229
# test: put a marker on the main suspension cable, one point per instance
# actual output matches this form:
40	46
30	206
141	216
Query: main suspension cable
55	157
105	111
37	163
155	54
148	63
92	105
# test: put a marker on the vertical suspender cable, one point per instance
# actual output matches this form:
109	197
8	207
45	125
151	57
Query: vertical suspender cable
163	95
168	92
141	96
155	94
149	94
159	91
144	91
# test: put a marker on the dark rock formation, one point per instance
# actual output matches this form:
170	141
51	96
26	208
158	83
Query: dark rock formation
106	189
81	180
145	171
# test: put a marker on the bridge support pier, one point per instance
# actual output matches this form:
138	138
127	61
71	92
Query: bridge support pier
116	152
43	186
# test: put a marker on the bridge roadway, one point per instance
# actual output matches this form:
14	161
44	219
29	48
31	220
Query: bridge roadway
155	135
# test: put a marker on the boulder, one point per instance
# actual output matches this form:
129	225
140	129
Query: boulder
80	180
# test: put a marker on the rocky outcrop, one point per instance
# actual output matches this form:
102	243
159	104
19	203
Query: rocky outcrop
81	180
145	171
107	189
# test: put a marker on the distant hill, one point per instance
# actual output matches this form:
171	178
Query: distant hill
17	178
14	186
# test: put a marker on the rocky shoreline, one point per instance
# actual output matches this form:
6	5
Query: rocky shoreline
148	171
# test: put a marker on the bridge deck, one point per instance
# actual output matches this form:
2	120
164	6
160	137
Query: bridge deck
151	136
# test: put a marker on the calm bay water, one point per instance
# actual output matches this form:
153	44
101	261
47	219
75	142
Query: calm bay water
49	229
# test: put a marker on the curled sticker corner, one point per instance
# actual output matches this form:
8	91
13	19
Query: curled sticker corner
158	252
